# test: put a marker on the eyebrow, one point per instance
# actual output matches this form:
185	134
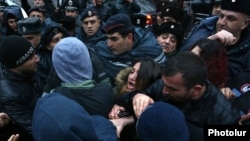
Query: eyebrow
170	87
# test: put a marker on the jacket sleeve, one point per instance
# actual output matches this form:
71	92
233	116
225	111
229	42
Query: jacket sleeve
19	112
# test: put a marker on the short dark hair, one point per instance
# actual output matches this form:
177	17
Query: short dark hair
190	65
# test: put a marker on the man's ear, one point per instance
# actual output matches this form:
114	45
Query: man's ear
246	23
130	36
197	91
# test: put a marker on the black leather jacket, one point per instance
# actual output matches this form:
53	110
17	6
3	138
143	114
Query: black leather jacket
18	96
211	108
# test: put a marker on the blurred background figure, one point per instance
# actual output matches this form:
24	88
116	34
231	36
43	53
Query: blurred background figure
215	7
128	7
102	9
11	15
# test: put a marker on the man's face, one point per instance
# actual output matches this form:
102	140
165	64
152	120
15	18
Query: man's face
12	24
167	41
34	39
232	21
38	15
118	44
91	25
29	67
71	13
38	3
175	88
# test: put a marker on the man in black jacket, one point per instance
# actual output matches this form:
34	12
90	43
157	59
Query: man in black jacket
18	89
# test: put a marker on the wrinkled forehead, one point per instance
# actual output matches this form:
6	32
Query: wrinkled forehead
233	13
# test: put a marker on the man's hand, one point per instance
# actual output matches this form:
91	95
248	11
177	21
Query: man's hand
140	102
244	118
113	114
224	37
228	93
121	123
14	137
4	119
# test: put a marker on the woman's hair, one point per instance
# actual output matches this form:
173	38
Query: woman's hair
149	72
213	53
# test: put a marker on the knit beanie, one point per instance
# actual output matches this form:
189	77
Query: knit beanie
71	60
162	122
15	50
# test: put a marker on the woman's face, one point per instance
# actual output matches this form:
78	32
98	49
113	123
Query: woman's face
168	42
133	76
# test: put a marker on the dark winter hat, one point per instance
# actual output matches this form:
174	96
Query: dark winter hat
89	12
139	20
38	9
51	32
117	21
173	28
71	5
15	50
161	5
58	118
30	25
162	122
236	5
174	12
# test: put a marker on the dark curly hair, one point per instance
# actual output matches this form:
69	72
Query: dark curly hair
213	53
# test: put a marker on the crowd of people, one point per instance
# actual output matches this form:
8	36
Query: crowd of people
85	71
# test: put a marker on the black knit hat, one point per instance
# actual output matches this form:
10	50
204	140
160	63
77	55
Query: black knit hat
15	50
242	6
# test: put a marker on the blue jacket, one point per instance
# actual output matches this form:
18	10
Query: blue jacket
145	45
90	41
238	54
